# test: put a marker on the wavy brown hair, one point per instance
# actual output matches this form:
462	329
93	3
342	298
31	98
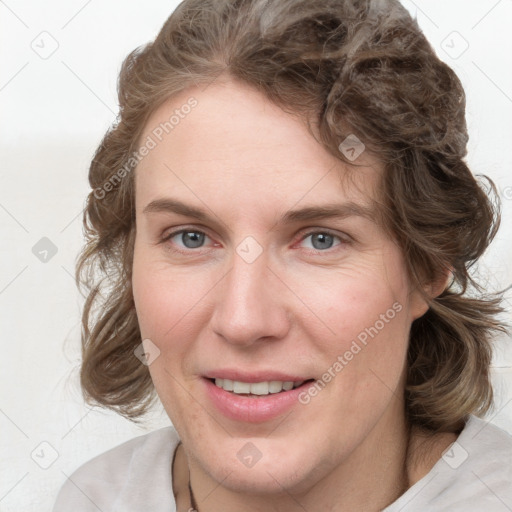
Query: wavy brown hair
358	67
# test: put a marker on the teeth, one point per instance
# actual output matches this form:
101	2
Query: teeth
256	388
241	387
275	386
228	384
287	386
259	388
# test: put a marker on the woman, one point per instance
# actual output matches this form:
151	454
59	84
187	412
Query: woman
280	229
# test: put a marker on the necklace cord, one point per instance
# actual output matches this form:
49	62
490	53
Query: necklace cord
192	498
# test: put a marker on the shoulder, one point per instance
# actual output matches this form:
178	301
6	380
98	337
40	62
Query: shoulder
483	452
131	476
473	474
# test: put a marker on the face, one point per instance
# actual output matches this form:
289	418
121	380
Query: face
258	260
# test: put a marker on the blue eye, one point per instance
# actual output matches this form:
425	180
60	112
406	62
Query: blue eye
189	238
321	240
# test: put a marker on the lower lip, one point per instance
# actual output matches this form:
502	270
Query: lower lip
253	409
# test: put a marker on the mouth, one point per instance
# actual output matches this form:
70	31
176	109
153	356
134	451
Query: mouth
256	401
257	389
254	396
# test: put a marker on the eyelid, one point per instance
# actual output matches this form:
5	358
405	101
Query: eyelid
305	233
184	229
343	237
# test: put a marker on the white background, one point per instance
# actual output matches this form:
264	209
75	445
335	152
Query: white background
54	111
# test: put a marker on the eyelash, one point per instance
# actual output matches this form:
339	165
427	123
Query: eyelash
343	240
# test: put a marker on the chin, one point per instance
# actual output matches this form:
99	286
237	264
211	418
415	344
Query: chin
267	479
280	469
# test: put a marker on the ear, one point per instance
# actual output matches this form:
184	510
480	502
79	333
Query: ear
437	287
432	289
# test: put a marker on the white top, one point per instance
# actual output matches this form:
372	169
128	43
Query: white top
473	475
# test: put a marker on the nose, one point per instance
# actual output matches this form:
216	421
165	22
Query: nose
250	304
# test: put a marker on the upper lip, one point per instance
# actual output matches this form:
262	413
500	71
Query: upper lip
251	377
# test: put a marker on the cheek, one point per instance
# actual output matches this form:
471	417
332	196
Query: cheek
163	298
172	308
352	303
168	314
365	345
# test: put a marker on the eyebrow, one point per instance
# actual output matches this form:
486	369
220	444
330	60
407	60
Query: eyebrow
309	213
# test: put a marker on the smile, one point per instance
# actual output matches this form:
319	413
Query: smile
256	388
253	402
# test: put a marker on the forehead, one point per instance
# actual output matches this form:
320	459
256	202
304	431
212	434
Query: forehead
229	140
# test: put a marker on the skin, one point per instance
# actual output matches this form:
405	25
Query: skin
295	308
